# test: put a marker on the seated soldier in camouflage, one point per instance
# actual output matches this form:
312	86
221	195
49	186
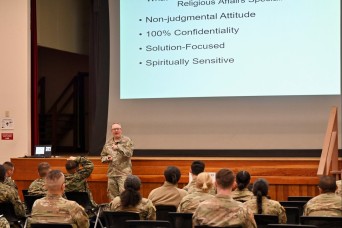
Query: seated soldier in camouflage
327	203
53	208
9	167
241	193
37	187
76	178
201	193
197	167
131	200
260	204
8	194
222	210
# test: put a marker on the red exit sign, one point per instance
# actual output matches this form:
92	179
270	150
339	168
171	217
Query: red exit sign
6	136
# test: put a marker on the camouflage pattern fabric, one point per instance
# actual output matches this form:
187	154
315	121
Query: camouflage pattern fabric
37	187
269	207
339	187
145	208
222	211
8	194
168	194
120	165
77	182
191	201
56	209
191	186
3	222
326	204
243	195
8	181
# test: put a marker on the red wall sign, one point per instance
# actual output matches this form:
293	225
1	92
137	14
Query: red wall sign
6	136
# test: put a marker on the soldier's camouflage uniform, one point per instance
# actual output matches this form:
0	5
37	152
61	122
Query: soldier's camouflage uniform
56	209
3	222
77	182
37	187
222	211
8	181
145	208
269	207
325	204
190	202
8	194
339	187
243	195
120	166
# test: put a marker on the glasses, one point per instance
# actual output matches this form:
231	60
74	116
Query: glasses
116	129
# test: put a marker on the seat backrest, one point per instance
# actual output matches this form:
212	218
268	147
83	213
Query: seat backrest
299	198
263	220
29	201
82	198
322	221
289	226
162	211
116	219
7	210
50	225
147	224
299	204
180	220
292	214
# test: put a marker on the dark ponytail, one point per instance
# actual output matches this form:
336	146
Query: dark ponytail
260	189
259	202
242	179
131	195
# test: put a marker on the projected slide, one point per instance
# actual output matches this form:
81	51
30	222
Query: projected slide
220	48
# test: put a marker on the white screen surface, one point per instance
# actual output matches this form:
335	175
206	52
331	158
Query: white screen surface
213	48
245	122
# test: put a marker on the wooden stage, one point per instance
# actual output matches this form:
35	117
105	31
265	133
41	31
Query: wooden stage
286	176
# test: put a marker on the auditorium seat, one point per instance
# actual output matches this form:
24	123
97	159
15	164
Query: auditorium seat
180	220
322	221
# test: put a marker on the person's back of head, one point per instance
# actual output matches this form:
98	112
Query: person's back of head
71	166
327	184
225	178
197	167
204	182
43	169
9	168
172	174
2	173
260	189
54	182
242	179
131	195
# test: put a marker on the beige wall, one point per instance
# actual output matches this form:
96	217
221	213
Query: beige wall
15	75
63	25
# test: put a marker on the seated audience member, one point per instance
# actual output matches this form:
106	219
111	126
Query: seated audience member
197	167
327	203
3	222
76	178
37	187
339	187
9	167
201	193
260	204
53	208
8	194
241	193
169	193
222	210
131	200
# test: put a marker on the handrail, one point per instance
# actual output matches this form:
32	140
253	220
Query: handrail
329	156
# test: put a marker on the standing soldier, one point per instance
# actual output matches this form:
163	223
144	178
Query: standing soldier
117	152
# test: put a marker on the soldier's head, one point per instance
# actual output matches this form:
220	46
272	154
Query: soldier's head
327	184
9	167
204	182
225	179
260	187
54	182
172	174
242	179
71	166
116	130
43	169
197	167
2	173
131	195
